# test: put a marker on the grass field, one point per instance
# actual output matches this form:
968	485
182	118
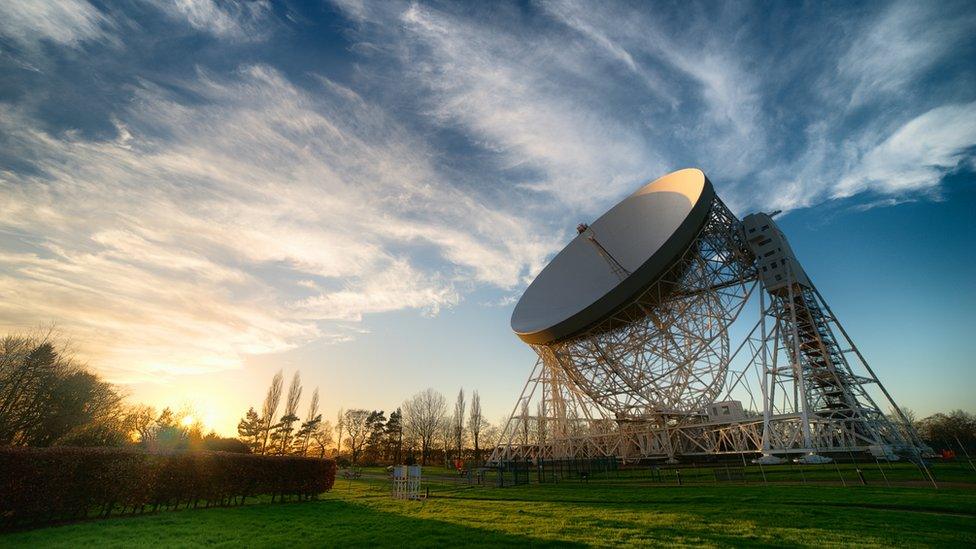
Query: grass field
608	511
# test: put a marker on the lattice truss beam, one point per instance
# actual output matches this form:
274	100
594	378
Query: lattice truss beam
639	384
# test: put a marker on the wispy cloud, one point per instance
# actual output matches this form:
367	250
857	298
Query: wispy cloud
596	25
900	44
729	122
876	119
157	246
537	97
239	20
917	155
500	87
67	22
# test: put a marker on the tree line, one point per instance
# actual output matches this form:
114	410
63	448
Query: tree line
268	433
418	430
47	398
954	431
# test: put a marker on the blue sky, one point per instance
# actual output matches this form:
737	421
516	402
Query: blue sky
198	193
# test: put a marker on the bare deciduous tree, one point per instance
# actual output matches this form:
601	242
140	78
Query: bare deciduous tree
476	423
340	427
143	418
458	422
422	415
322	437
358	428
490	434
955	430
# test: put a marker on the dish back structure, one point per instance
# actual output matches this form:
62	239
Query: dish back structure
659	378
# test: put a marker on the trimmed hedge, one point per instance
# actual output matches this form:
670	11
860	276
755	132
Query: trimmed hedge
44	485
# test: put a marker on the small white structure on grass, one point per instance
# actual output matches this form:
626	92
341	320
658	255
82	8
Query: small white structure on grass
406	482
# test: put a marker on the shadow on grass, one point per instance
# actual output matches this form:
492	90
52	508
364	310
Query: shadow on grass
329	522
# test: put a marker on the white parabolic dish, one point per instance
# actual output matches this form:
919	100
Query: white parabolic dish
645	233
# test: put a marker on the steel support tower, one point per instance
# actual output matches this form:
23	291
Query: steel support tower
659	378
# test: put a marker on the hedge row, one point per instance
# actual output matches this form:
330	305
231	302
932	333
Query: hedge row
43	485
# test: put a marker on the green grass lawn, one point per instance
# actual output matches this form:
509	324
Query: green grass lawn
605	512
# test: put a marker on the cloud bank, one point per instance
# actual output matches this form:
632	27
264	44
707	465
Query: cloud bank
193	229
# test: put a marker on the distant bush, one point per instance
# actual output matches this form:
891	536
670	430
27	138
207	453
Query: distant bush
43	485
233	445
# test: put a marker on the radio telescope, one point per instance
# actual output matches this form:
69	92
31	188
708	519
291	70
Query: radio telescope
631	321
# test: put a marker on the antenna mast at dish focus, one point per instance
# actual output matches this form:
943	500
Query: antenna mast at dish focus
630	322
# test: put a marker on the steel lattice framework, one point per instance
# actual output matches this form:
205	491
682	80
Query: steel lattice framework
645	381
